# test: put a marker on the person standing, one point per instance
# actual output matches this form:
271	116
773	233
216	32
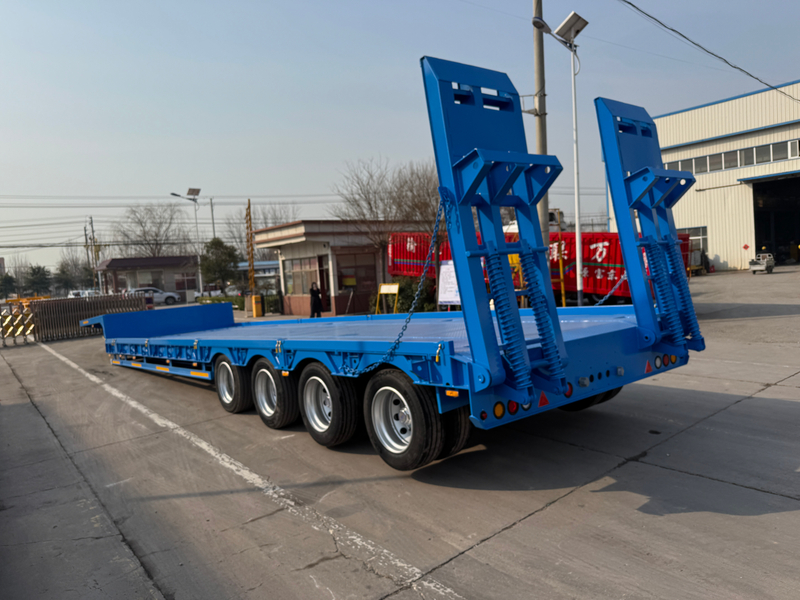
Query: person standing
316	301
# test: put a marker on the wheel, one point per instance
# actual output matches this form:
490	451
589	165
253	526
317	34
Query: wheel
169	301
582	404
233	385
328	405
609	395
402	420
274	396
457	428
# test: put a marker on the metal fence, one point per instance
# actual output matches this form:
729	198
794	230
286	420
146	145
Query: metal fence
16	324
60	319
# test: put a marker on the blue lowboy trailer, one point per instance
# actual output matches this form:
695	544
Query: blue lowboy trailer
490	364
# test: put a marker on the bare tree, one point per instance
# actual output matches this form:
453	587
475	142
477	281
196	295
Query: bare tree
368	200
266	216
277	214
153	230
415	186
235	229
19	266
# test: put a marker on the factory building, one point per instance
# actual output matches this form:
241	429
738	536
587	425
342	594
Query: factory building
744	153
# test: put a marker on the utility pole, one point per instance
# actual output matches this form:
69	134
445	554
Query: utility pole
213	226
540	113
94	256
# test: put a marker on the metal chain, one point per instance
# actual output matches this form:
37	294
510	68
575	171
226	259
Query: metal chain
614	289
393	348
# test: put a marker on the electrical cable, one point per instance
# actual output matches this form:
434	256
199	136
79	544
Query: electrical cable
648	17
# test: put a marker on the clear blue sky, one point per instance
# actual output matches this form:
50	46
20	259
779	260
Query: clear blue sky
254	98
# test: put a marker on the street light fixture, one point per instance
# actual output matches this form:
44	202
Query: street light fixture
565	35
191	196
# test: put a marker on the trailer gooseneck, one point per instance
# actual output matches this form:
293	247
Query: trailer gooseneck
483	366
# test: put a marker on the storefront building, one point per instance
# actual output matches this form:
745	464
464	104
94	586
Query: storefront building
336	255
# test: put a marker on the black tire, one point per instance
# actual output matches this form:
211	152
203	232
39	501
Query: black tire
609	395
233	385
391	390
169	300
457	427
274	396
329	406
582	404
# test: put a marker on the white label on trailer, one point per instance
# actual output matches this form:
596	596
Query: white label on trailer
448	286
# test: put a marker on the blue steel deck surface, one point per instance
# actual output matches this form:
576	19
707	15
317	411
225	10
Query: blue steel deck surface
420	329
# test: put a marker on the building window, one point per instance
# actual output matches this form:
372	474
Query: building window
673	166
763	154
793	149
356	272
686	165
780	151
701	164
185	281
299	274
731	159
747	157
151	279
715	162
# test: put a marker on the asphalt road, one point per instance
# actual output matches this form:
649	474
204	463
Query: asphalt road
122	484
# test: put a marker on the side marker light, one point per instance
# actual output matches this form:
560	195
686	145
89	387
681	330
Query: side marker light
499	410
673	359
451	393
513	407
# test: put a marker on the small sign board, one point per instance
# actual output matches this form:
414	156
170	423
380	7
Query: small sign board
389	288
448	286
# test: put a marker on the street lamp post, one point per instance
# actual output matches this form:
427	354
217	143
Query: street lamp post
565	35
191	196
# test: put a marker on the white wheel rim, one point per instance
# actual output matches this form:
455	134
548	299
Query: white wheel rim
266	392
225	384
391	417
318	405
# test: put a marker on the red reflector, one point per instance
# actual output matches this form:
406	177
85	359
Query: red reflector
568	393
648	368
543	401
666	359
513	407
483	415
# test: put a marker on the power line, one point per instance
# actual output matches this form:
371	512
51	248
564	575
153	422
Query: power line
647	16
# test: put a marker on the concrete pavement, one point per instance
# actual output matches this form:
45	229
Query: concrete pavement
686	485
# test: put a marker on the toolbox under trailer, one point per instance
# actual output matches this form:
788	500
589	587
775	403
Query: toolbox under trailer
487	365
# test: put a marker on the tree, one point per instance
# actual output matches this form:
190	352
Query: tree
369	202
7	285
153	230
73	271
38	281
19	267
218	262
266	216
415	186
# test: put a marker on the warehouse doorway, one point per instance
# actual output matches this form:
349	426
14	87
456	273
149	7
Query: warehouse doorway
777	217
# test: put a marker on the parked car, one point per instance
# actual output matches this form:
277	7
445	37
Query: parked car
83	294
159	296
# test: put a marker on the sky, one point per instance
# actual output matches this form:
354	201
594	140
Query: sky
104	104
